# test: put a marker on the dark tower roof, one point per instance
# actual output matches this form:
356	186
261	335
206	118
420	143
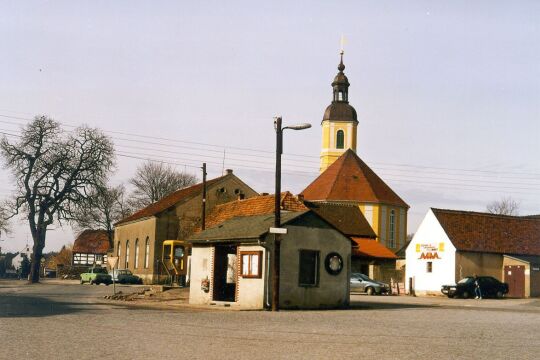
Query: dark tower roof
340	109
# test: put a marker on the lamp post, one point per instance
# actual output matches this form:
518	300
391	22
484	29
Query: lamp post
277	213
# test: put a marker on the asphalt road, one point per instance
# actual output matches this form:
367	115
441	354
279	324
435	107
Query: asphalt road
50	321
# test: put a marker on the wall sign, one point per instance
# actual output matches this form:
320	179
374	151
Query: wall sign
429	251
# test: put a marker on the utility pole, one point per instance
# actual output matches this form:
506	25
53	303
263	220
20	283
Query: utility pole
277	215
203	217
277	207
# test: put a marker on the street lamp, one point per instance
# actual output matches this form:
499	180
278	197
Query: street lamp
277	213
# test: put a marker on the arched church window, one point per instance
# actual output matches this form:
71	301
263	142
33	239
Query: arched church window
340	139
392	235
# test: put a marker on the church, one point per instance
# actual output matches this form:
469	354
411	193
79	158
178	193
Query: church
346	179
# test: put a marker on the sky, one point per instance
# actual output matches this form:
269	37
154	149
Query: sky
447	93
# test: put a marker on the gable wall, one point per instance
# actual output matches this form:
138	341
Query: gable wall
430	238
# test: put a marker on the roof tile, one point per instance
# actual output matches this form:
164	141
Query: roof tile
169	201
371	248
258	205
483	232
92	242
350	179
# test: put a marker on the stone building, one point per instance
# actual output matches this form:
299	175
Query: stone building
138	239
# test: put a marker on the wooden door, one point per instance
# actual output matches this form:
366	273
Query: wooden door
514	276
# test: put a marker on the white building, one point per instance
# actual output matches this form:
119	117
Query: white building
17	259
450	245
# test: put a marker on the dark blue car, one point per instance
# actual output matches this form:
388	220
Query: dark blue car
489	287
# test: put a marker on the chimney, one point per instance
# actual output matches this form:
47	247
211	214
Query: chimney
228	171
265	194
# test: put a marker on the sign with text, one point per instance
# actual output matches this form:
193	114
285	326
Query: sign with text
429	251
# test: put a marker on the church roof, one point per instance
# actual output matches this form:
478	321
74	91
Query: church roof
350	179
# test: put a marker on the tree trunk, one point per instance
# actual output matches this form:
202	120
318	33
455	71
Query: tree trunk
37	252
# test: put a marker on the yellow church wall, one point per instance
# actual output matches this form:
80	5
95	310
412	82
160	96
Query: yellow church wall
381	226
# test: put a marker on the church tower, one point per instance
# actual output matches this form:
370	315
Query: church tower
339	122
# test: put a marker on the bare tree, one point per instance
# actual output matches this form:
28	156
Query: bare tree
505	206
54	171
101	209
153	181
4	219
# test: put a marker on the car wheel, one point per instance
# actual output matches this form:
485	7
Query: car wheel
82	282
370	291
500	294
465	295
107	284
91	282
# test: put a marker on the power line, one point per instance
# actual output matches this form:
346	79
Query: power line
310	174
266	151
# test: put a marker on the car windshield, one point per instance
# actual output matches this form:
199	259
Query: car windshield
360	276
100	271
465	280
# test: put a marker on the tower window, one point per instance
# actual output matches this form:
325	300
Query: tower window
340	139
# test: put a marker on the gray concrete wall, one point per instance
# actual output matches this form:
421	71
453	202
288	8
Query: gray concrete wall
332	290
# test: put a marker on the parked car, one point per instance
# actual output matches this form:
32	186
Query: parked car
362	283
125	276
489	287
96	275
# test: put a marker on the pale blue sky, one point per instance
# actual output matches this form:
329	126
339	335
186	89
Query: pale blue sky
451	87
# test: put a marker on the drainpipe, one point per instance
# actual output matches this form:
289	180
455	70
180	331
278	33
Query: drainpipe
267	282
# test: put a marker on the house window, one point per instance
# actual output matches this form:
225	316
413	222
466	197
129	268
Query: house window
429	266
136	253
251	264
392	235
118	249
308	274
127	254
340	139
146	253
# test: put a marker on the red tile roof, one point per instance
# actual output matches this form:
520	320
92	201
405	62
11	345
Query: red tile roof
350	179
91	242
483	232
371	248
169	201
258	205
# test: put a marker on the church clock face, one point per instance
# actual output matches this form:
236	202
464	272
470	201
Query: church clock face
333	263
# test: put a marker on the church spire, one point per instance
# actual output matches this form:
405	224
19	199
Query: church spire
341	84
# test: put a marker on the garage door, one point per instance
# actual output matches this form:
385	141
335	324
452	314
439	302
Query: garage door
514	276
